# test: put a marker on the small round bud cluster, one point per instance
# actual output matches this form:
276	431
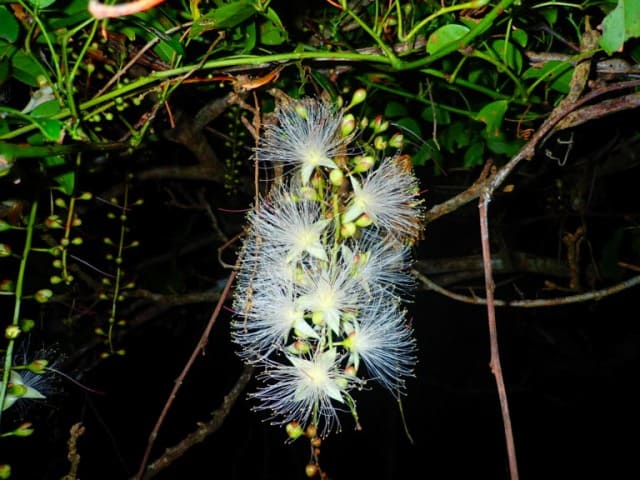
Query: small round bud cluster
323	270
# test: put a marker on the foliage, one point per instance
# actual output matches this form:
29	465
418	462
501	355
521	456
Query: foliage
91	110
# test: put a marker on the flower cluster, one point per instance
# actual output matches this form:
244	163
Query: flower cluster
324	270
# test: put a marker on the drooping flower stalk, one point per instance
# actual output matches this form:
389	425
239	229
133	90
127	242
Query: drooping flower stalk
323	270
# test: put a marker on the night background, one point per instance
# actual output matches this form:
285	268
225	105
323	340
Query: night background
168	177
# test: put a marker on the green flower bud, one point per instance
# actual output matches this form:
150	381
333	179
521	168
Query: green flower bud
364	221
294	430
363	164
336	176
12	332
5	250
379	143
38	366
348	125
359	96
348	229
43	295
26	325
396	140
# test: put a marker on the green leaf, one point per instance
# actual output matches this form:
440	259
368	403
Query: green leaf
10	26
4	71
223	17
39	4
66	180
492	115
520	37
442	117
474	155
26	69
250	38
621	24
550	15
501	146
46	109
444	35
272	34
395	110
508	53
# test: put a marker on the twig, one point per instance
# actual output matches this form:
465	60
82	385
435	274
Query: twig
73	456
528	150
204	429
547	302
178	383
496	368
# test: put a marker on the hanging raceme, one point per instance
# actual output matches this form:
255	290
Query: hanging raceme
324	270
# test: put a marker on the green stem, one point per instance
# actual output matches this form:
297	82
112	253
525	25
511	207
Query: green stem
393	60
482	26
8	359
443	11
501	68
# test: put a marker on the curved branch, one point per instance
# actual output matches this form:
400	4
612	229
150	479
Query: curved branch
547	302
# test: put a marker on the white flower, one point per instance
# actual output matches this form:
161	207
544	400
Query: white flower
388	195
21	388
306	135
383	341
329	293
289	227
266	327
305	390
381	264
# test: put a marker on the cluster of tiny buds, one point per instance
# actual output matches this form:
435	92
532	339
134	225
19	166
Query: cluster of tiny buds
324	268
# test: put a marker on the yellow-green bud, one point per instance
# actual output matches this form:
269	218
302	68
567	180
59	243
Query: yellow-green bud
348	125
364	221
359	96
301	110
336	176
378	124
294	430
396	140
43	295
5	250
38	366
348	229
379	143
12	332
363	164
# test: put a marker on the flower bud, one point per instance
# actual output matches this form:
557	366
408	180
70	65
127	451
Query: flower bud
348	125
24	430
379	143
312	431
363	164
348	229
396	140
294	430
311	470
12	332
5	250
38	366
43	295
301	110
364	221
336	176
359	96
378	124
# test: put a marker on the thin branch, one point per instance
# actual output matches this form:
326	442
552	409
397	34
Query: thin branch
171	454
178	383
538	302
496	367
